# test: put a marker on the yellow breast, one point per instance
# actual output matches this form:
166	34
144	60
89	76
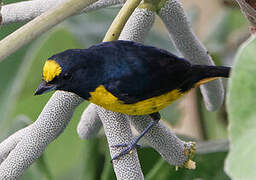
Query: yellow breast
105	99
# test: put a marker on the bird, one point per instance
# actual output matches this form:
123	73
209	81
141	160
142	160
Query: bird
126	77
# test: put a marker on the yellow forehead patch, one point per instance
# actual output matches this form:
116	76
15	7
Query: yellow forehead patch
51	70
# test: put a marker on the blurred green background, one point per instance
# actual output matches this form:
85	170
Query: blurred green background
69	157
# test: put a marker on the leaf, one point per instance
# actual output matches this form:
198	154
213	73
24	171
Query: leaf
10	1
18	123
241	161
209	167
43	168
148	163
108	171
12	73
92	162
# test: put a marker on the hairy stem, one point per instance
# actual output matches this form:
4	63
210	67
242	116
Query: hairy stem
122	17
27	10
40	25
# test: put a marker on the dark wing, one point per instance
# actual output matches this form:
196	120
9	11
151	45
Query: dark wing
140	72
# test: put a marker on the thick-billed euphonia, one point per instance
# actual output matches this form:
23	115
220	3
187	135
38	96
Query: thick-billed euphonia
126	77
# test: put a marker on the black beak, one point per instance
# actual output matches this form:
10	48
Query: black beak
44	88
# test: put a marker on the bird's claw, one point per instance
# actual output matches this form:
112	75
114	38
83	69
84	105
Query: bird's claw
128	149
137	146
133	144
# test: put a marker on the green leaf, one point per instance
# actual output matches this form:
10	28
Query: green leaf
92	162
10	1
241	161
209	167
12	74
108	171
18	123
43	168
147	163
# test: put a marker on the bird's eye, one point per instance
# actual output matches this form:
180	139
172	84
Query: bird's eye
67	76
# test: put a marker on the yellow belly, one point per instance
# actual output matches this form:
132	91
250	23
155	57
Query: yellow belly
108	101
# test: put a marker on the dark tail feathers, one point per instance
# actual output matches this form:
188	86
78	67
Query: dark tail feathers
201	74
205	71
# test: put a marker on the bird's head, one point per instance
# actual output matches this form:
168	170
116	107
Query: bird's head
63	71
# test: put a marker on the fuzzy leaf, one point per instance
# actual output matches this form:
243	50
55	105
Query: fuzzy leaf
240	163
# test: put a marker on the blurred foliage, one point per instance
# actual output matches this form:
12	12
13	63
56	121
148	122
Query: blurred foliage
209	167
69	157
242	115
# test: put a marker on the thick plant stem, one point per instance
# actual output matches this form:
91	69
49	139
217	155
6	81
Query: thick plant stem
118	131
21	149
191	48
90	123
118	24
138	26
25	11
40	25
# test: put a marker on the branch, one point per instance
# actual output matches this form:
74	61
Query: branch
28	10
89	124
138	26
213	146
10	143
248	8
40	24
21	149
118	131
122	17
191	48
169	146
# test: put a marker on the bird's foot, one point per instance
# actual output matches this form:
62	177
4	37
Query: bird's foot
128	148
133	144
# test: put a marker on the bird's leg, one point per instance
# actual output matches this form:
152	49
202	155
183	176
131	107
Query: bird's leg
133	144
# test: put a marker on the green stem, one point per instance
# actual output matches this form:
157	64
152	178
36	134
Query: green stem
152	5
201	115
122	17
40	25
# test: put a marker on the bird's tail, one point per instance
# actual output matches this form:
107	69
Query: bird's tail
204	73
